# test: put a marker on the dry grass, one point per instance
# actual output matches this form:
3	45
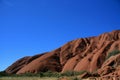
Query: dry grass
28	78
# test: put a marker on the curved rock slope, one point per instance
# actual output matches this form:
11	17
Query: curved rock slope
81	54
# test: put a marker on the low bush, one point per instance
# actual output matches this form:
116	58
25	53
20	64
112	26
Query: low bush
3	73
72	73
113	53
75	78
49	74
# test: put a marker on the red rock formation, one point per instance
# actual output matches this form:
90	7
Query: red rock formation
19	64
81	54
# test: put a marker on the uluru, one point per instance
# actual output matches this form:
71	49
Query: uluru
83	54
88	54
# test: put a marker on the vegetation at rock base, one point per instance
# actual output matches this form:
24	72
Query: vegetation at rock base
49	75
113	53
3	73
44	74
72	73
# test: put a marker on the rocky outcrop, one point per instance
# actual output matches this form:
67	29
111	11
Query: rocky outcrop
15	67
110	67
87	54
49	61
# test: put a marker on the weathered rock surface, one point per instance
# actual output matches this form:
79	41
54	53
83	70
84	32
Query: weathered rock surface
15	67
81	54
110	67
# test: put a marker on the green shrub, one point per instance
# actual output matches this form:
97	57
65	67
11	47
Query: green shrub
72	73
113	53
81	72
3	73
75	78
49	74
56	74
41	74
27	75
68	73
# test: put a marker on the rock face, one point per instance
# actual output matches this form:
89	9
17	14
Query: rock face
15	67
81	54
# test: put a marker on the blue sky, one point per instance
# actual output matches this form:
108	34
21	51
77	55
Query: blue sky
29	27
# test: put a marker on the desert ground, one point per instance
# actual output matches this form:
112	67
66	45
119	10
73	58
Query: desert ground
28	78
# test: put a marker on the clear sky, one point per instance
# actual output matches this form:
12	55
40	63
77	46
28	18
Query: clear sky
29	27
